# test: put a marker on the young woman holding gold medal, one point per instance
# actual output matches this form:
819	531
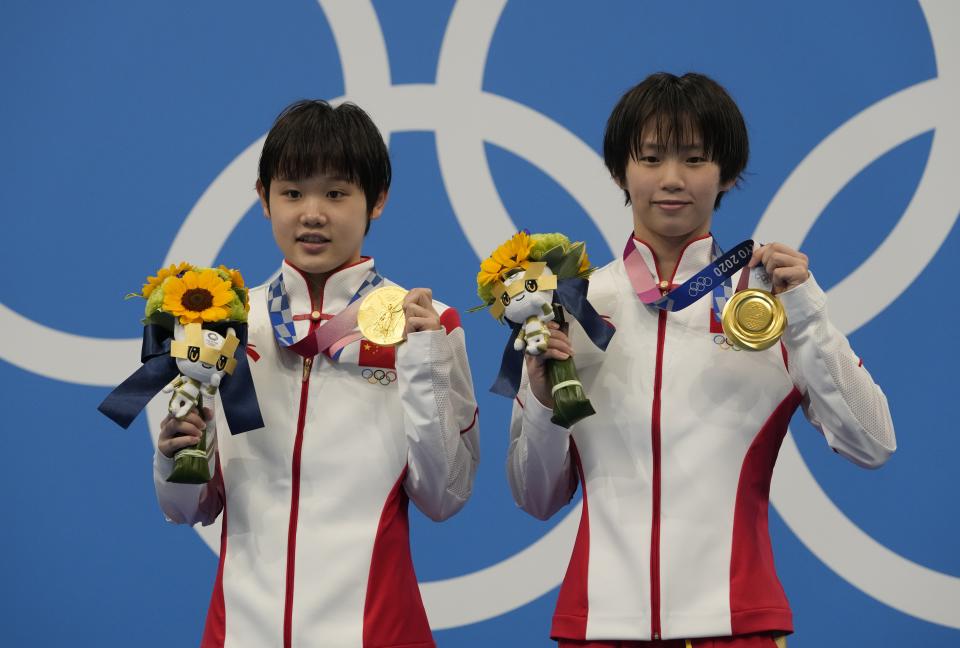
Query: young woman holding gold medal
673	548
356	424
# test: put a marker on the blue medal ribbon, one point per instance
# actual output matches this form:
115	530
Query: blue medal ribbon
711	278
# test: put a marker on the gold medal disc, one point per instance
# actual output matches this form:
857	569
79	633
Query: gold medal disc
754	319
380	317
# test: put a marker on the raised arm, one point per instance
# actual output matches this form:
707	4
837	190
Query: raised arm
440	409
840	397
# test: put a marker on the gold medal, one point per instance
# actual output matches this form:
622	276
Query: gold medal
380	317
754	319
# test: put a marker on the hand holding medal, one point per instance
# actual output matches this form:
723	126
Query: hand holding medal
381	318
387	315
785	266
419	313
754	319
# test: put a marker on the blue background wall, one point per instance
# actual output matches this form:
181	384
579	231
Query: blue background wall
129	134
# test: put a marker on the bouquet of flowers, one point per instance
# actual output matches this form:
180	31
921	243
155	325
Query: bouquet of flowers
528	281
195	320
191	294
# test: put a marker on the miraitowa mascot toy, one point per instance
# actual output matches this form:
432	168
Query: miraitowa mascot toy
528	300
195	323
529	281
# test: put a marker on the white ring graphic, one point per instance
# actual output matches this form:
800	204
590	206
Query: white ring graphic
882	278
464	117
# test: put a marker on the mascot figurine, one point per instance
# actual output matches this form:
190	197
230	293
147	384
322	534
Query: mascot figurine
528	301
203	357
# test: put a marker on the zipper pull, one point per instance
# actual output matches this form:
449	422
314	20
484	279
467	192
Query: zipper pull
307	365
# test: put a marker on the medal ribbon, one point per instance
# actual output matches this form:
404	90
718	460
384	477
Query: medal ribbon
723	292
331	337
709	279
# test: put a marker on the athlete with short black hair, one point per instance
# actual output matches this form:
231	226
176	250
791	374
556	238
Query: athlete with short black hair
673	548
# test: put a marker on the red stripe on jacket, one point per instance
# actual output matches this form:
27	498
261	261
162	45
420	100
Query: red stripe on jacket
215	629
570	618
757	600
450	319
393	613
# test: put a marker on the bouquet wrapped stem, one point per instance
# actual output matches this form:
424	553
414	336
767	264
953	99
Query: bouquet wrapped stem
191	465
570	403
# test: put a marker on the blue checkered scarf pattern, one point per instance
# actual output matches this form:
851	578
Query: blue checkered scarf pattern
281	316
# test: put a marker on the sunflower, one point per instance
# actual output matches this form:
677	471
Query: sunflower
239	287
235	277
154	282
197	296
515	253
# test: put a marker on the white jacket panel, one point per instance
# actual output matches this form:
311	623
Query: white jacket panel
316	517
676	463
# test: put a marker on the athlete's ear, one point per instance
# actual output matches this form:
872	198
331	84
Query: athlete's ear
264	199
378	206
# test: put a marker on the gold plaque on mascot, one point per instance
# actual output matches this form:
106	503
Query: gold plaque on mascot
380	317
754	319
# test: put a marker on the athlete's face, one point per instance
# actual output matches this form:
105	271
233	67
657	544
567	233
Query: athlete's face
319	222
672	190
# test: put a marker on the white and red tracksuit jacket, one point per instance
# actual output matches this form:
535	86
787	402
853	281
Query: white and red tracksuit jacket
315	548
675	466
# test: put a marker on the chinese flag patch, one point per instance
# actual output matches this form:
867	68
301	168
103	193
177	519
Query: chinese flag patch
374	355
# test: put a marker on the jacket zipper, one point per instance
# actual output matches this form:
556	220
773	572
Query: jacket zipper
295	505
655	449
655	442
295	484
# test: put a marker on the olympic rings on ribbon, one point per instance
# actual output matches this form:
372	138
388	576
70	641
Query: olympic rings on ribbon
699	286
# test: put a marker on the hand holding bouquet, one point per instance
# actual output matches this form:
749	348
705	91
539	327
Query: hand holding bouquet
526	281
195	322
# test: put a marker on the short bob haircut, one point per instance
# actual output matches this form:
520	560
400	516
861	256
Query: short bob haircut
677	111
311	136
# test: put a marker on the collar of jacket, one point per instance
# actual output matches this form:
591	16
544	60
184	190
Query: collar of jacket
694	256
341	287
